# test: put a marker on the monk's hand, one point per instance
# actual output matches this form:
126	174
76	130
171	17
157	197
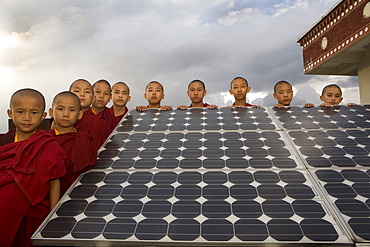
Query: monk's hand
212	107
279	106
309	105
325	105
165	108
141	108
351	104
182	107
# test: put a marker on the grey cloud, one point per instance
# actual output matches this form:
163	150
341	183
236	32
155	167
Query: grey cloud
173	42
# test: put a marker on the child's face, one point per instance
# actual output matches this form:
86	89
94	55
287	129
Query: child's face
239	89
284	94
84	92
196	92
154	93
120	95
27	113
332	96
65	112
102	95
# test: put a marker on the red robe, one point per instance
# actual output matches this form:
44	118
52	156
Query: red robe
246	104
112	119
96	126
81	157
26	168
7	138
204	105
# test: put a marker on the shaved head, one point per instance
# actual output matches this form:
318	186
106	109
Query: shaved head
27	92
330	86
68	94
121	83
238	78
155	82
104	82
197	80
279	83
80	80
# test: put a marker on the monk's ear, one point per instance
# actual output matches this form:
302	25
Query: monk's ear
274	94
10	113
322	98
248	89
162	96
231	92
43	116
51	113
145	96
128	98
341	98
80	114
205	93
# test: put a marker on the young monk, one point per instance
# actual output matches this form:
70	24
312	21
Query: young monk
331	95
102	95
120	97
283	92
31	163
66	110
239	89
196	92
92	123
154	93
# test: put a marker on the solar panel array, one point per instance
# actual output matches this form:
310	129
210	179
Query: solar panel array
224	176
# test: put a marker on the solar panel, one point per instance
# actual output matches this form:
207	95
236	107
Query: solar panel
349	190
223	176
333	148
324	117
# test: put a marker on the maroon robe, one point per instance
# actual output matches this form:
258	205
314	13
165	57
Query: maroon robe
81	157
7	138
96	126
26	168
246	104
112	119
204	105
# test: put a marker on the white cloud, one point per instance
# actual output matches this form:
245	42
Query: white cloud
238	16
170	41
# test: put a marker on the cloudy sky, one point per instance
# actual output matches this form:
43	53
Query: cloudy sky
48	44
